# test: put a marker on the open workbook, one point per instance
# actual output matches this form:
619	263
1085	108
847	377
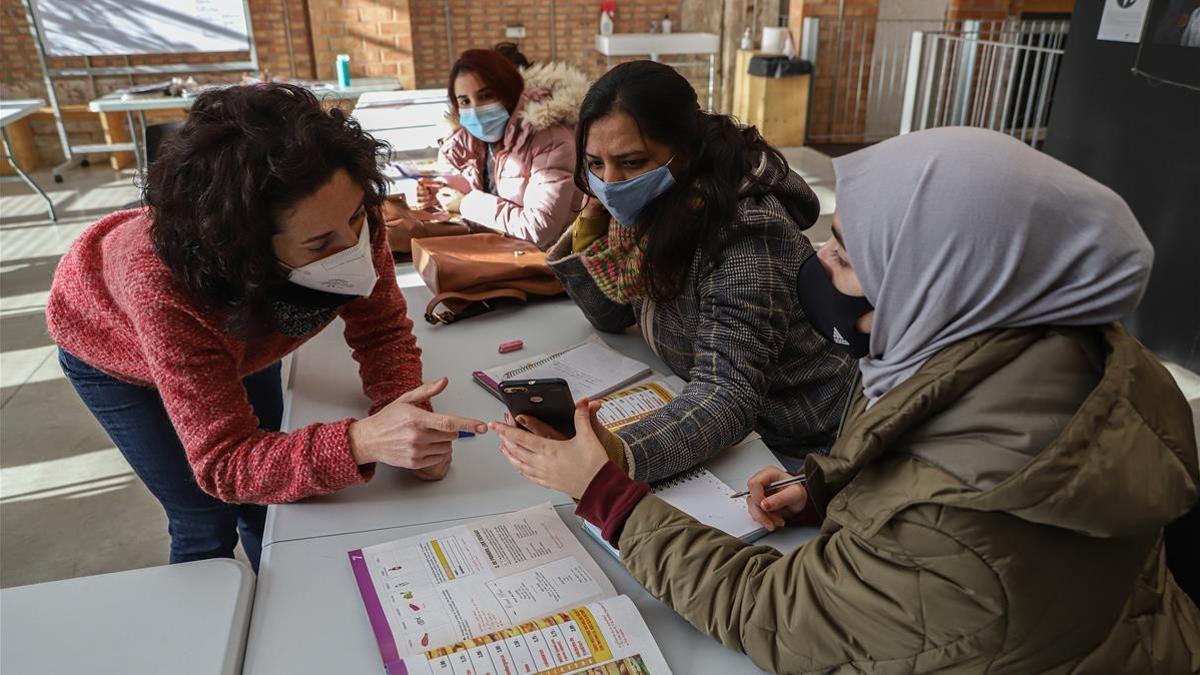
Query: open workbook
513	593
622	408
591	368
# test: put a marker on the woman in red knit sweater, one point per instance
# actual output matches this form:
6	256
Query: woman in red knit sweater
261	226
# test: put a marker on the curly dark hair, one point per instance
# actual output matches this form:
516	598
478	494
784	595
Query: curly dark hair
244	156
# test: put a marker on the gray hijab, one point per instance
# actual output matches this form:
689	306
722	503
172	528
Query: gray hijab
954	231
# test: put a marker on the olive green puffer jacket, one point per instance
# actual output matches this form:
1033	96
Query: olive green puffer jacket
1000	512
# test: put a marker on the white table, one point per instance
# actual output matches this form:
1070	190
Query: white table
324	386
409	121
309	618
414	143
187	618
13	111
117	101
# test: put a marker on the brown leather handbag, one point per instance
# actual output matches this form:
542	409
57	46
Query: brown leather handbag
470	273
405	224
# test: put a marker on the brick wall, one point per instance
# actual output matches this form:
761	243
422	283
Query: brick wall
999	9
274	21
981	9
376	34
843	64
21	74
406	39
562	30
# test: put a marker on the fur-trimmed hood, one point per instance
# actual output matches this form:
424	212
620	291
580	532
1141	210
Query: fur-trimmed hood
553	93
564	87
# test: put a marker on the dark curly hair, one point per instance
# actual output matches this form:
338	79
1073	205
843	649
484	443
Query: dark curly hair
245	155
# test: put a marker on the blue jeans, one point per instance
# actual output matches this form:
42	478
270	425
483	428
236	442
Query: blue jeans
201	526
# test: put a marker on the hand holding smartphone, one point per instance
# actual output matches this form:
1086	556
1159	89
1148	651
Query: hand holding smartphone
548	400
427	188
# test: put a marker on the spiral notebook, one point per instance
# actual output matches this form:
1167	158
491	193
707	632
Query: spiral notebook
703	496
591	368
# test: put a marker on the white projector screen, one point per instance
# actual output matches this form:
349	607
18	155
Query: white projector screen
123	27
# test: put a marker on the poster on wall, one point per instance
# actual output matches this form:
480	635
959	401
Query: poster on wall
1122	20
122	28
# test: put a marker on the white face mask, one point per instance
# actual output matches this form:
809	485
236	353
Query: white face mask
348	272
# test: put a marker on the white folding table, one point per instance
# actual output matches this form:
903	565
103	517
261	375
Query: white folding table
325	386
119	101
180	619
13	111
309	618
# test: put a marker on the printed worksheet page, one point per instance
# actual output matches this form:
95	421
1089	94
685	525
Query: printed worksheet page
442	587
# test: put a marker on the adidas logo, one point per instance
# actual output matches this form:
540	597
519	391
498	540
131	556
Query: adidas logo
837	337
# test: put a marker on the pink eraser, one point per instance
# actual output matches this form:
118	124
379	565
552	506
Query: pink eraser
511	346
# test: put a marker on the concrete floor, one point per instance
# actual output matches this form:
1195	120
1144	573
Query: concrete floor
69	504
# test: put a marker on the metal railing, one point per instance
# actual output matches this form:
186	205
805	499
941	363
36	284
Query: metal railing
1005	83
861	65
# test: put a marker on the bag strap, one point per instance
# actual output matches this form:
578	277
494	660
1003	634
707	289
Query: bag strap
476	303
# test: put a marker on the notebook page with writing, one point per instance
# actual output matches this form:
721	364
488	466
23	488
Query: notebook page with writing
703	496
591	368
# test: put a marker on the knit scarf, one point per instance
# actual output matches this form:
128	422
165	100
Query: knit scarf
614	262
298	312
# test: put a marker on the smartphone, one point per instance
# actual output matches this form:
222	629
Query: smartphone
548	400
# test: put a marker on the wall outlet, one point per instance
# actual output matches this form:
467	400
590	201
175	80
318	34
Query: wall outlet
515	32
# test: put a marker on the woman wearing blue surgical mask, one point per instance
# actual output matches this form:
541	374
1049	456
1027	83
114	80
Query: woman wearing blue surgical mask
512	150
694	233
261	227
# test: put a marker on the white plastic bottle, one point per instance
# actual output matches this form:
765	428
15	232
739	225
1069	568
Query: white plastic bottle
666	24
606	24
748	39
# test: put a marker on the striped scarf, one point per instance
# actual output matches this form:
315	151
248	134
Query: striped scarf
614	262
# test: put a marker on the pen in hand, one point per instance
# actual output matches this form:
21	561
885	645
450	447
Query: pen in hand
774	487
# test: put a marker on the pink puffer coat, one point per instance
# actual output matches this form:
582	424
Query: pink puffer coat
535	197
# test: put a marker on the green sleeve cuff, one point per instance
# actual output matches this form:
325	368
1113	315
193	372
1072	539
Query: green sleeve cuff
586	231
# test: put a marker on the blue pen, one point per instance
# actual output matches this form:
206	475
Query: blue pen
466	434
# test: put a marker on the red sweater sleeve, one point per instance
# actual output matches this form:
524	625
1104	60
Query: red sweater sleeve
379	332
194	368
609	499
